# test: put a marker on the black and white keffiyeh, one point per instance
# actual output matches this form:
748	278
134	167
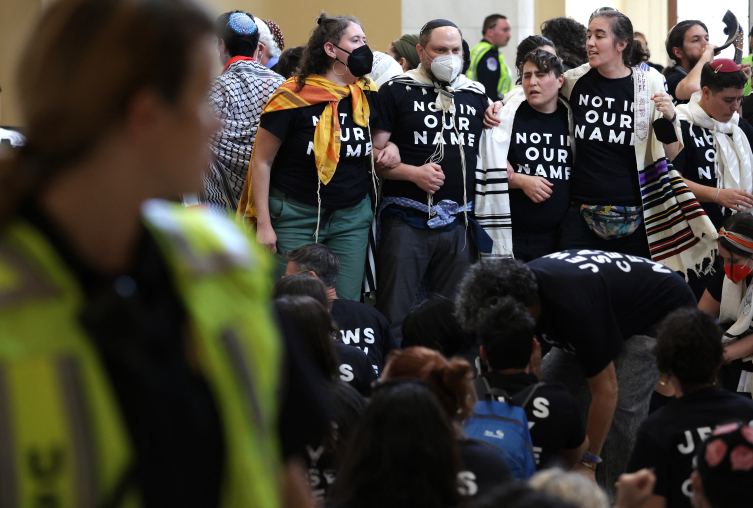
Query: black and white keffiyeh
238	97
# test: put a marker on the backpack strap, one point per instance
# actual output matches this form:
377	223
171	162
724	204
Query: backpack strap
530	395
497	393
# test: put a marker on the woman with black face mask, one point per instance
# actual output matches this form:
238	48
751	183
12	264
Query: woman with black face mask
309	176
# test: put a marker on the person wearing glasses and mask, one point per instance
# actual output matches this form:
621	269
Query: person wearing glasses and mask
309	175
435	117
728	297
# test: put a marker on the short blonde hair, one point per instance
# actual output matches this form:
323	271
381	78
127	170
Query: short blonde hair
573	488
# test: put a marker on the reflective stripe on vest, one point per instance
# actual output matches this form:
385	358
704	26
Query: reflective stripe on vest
504	84
46	439
63	440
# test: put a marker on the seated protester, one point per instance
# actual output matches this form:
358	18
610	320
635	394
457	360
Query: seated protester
688	50
688	353
353	365
401	454
726	297
506	333
360	325
483	467
313	155
432	323
725	468
427	226
571	487
540	158
237	96
595	309
716	159
314	326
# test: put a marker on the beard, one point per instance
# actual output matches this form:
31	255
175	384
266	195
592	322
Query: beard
692	61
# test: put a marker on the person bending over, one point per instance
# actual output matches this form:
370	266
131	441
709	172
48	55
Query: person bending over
594	309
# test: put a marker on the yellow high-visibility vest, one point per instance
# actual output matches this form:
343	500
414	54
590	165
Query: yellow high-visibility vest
63	439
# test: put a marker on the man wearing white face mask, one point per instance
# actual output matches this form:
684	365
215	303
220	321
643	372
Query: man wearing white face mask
434	116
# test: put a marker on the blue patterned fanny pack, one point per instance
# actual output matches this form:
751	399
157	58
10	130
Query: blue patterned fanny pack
610	222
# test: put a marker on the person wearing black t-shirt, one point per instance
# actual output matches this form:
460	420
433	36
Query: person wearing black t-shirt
360	325
484	468
688	354
717	143
609	152
309	174
715	161
595	310
434	115
508	346
727	297
688	46
541	158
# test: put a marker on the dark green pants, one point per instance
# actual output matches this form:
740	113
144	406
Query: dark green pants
345	232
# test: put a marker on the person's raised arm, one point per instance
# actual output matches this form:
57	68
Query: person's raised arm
603	403
428	177
267	145
692	82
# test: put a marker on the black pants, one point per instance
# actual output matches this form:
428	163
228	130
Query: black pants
406	253
575	234
529	246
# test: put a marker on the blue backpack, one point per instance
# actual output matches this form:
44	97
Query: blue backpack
504	426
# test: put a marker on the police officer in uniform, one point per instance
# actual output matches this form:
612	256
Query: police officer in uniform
487	63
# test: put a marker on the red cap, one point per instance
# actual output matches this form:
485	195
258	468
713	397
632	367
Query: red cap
724	65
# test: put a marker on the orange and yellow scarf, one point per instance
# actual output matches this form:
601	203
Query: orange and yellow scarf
327	132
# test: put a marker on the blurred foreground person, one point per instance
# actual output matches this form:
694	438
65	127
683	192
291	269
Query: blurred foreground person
138	358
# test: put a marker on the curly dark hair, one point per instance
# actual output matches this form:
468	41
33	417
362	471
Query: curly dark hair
569	39
688	346
530	43
487	282
328	29
432	323
622	31
506	331
544	61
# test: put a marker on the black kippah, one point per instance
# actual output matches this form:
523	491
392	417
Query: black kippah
437	23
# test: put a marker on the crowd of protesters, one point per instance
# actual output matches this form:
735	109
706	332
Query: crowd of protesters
422	277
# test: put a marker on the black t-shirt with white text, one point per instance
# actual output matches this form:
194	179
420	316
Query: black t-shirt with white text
593	301
483	468
540	147
411	116
669	438
294	171
696	162
355	368
553	415
605	168
673	79
366	328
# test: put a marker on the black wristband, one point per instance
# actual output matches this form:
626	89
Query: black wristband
665	130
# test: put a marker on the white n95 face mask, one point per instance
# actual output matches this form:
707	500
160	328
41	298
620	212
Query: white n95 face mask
446	67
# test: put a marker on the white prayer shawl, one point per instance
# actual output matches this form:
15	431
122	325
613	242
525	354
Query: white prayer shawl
733	156
736	304
492	204
681	244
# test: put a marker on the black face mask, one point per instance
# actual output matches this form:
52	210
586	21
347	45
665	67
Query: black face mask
360	60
